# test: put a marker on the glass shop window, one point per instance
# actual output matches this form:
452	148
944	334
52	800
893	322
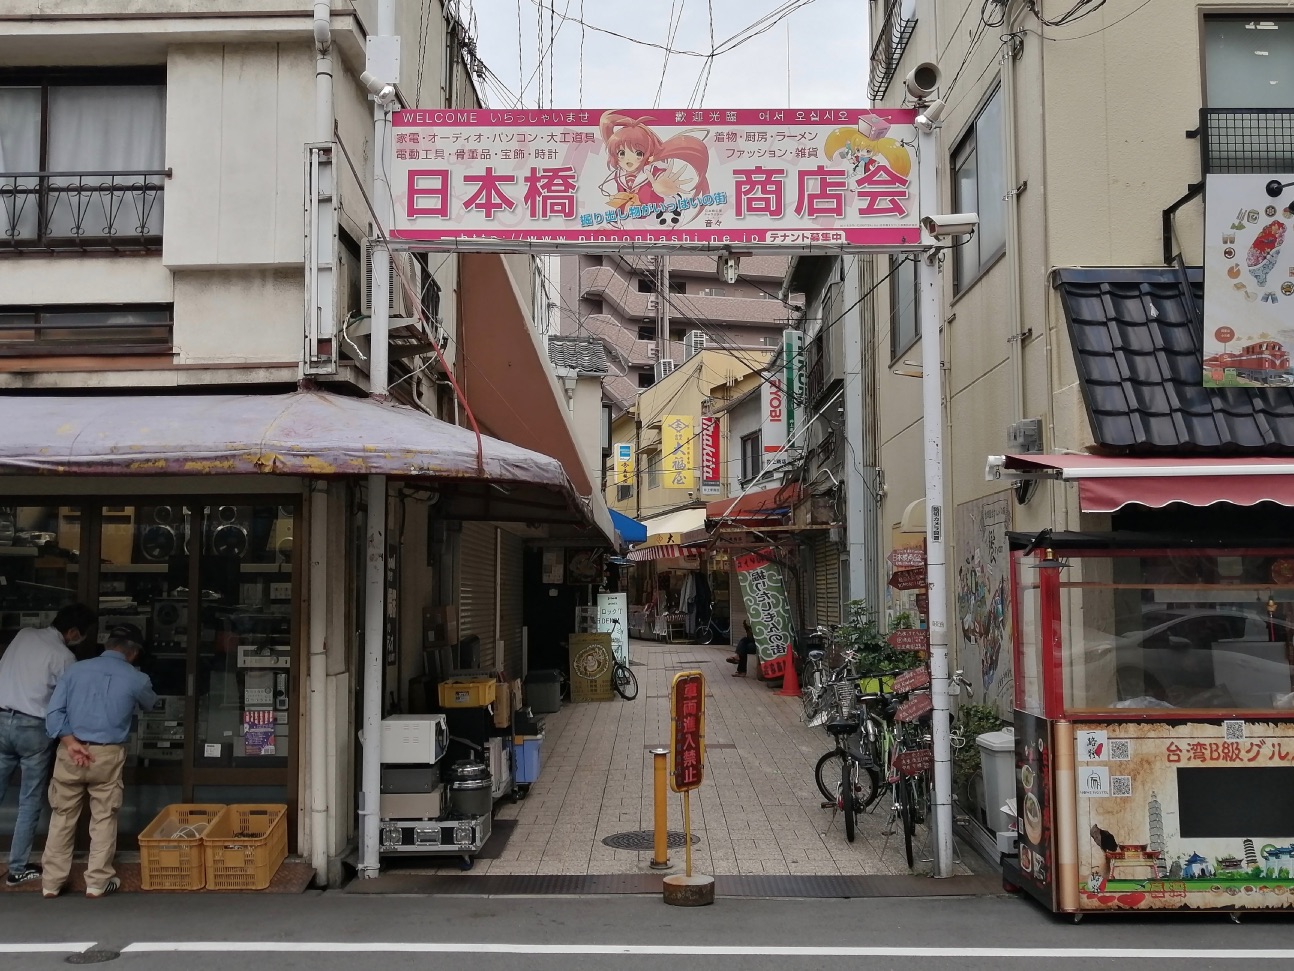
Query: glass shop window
39	563
1028	662
244	673
1179	630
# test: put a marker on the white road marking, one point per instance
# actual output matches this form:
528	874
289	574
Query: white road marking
431	947
67	947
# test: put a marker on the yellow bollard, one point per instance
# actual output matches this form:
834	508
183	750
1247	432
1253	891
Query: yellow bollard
660	859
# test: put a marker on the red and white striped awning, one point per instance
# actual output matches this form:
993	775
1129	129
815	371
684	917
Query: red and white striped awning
665	551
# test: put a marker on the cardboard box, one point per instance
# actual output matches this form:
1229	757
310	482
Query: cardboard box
504	705
412	805
516	694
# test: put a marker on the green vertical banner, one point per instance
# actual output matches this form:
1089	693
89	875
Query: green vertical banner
768	608
793	363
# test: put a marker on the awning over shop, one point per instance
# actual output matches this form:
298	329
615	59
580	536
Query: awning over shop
1108	484
669	528
667	551
767	506
630	530
302	433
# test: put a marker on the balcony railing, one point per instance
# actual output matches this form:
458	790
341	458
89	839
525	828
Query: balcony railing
1246	140
891	41
81	211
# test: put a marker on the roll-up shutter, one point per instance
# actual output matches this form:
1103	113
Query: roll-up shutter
511	554
476	587
826	581
736	607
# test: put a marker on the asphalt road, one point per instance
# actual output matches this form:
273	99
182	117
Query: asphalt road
324	931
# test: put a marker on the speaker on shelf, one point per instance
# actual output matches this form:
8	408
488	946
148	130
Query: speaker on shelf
228	530
161	532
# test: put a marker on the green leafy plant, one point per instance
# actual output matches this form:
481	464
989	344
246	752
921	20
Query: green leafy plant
862	634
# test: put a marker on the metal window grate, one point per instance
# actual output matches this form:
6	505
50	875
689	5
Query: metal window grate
1247	140
82	211
891	41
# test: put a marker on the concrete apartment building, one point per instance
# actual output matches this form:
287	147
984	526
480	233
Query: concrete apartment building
615	299
1072	321
189	435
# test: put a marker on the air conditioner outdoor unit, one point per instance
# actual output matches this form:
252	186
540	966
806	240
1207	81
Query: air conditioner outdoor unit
402	265
695	342
664	368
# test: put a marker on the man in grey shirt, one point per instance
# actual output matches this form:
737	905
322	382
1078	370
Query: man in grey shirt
29	669
90	714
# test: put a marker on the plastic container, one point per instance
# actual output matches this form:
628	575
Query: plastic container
467	692
872	686
544	691
997	757
246	846
525	756
171	855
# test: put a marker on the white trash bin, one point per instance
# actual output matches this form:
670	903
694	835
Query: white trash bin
997	756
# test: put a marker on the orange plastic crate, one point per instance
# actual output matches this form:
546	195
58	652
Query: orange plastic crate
246	846
171	854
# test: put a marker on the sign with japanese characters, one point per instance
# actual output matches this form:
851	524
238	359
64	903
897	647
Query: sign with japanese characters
1248	282
1184	815
840	177
687	739
768	608
711	469
613	619
796	382
677	447
624	463
772	403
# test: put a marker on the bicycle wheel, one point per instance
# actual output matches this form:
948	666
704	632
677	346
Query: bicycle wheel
827	773
847	795
706	634
903	792
624	681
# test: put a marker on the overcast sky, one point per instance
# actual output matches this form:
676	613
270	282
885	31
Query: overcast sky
815	57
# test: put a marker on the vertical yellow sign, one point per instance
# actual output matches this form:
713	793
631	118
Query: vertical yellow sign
678	446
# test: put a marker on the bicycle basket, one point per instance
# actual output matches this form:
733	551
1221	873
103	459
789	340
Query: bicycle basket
844	697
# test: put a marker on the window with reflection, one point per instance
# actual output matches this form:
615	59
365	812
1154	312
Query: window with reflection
39	565
1179	629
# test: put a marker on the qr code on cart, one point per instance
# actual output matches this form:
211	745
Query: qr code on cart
1120	785
1120	750
1233	731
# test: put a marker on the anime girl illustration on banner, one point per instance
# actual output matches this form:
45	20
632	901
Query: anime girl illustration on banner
649	171
873	159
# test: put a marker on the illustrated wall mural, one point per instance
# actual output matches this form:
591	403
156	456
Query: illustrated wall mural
981	622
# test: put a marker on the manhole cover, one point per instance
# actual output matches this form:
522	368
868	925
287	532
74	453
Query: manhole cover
92	956
646	840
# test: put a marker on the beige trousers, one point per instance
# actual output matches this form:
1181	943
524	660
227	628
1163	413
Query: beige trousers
100	783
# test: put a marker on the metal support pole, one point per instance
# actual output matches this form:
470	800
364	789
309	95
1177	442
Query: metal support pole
660	859
375	540
374	615
859	512
687	831
936	570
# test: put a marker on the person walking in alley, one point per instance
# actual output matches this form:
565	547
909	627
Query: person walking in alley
29	669
90	714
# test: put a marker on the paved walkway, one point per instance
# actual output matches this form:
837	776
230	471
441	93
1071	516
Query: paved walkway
758	811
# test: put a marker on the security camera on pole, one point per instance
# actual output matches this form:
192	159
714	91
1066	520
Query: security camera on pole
922	83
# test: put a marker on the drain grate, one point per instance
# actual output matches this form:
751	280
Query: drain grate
92	956
645	839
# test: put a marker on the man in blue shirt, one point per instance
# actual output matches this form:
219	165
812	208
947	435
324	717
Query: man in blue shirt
90	714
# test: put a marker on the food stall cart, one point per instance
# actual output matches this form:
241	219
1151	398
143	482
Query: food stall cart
1154	723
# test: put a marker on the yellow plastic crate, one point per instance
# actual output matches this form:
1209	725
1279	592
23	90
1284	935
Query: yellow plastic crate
246	846
171	855
468	692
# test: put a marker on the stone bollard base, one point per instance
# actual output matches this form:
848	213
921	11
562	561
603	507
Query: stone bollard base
693	891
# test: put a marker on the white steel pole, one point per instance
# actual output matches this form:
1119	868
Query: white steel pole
859	516
936	570
375	540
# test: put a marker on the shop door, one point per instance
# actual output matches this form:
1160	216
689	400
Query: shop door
476	589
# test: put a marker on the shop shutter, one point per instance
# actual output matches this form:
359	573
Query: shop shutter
476	587
736	608
826	581
511	601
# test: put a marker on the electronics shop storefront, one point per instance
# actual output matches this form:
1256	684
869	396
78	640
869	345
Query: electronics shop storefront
211	579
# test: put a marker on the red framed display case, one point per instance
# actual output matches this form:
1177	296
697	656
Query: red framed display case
1154	718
